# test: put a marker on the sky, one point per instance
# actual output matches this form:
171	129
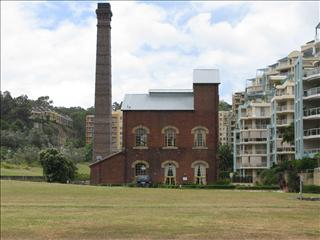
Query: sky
48	48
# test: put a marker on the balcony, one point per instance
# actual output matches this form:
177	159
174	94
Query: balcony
253	152
311	133
285	108
254	89
283	66
312	92
283	122
311	112
285	150
253	165
311	151
251	127
308	74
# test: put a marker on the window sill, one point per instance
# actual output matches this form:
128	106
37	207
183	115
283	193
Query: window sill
200	148
169	148
141	147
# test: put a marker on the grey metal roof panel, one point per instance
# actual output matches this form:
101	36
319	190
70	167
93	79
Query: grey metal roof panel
159	101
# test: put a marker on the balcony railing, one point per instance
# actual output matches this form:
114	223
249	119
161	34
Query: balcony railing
311	132
252	152
253	165
311	112
254	127
254	88
312	150
285	149
282	122
311	91
311	72
285	108
284	93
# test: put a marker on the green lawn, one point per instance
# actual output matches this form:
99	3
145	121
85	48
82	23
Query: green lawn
19	170
23	170
56	211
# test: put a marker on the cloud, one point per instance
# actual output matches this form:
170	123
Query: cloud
49	48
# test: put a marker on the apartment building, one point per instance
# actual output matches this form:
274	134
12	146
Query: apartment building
116	130
224	130
238	99
251	134
89	128
307	99
281	77
264	117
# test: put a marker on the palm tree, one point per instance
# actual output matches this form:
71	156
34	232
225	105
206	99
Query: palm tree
288	135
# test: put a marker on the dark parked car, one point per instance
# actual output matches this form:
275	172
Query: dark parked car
143	181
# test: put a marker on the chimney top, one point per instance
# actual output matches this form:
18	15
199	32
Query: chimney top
104	5
104	11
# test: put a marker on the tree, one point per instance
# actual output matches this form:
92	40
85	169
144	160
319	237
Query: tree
116	106
88	151
224	106
44	102
225	160
288	135
56	168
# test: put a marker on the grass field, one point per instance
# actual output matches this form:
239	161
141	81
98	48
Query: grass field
24	170
55	211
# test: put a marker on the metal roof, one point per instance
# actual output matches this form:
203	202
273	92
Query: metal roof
159	100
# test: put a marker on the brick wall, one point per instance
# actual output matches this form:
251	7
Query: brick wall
119	168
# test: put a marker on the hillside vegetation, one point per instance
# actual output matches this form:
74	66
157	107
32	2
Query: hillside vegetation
23	135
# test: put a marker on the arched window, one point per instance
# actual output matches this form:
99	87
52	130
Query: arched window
141	136
170	137
140	169
170	174
200	172
170	168
200	136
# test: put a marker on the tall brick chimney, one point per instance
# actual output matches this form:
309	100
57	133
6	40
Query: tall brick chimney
103	106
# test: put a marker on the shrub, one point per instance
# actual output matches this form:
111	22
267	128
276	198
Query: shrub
82	176
56	168
223	182
311	189
257	187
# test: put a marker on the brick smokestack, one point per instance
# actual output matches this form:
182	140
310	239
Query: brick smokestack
103	106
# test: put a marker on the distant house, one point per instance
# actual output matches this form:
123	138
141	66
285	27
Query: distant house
50	115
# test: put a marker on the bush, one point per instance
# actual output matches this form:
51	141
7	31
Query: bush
257	187
311	189
270	176
223	182
82	177
56	168
293	180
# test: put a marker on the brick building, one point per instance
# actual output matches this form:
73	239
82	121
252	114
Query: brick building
170	135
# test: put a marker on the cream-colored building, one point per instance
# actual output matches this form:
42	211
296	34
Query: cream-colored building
238	99
116	130
223	127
